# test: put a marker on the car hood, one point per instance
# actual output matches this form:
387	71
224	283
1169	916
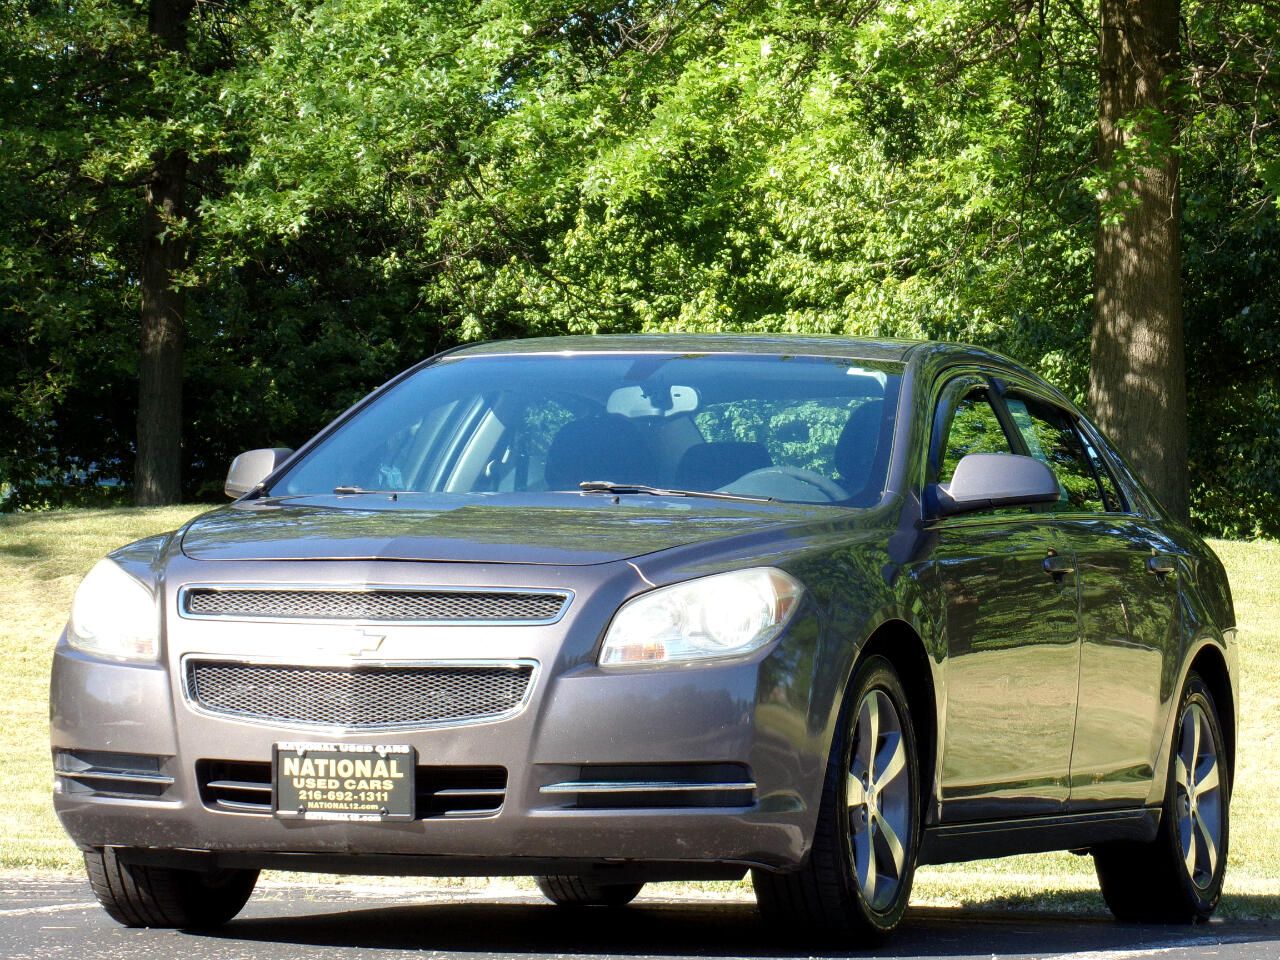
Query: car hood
552	528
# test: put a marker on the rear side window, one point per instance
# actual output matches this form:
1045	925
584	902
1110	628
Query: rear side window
1110	489
1051	437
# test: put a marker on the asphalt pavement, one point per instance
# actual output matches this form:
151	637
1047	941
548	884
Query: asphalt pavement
48	918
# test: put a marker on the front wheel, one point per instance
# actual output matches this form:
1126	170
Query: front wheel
568	891
139	896
857	880
1178	876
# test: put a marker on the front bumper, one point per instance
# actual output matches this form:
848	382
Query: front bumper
577	718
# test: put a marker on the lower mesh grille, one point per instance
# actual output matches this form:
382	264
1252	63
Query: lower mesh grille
240	786
358	697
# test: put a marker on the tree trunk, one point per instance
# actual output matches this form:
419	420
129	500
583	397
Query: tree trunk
158	470
1137	377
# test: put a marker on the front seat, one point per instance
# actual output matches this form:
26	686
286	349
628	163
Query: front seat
710	466
601	447
862	450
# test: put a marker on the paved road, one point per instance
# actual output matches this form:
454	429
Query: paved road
57	918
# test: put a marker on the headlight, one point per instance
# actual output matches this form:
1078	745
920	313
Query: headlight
726	615
113	615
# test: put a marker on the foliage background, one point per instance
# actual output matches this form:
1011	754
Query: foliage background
379	179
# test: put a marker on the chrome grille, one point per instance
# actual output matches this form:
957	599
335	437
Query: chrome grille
646	785
372	697
98	773
413	606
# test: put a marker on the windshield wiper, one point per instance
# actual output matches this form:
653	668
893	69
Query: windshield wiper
348	491
608	486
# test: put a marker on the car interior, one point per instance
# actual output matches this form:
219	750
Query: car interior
825	439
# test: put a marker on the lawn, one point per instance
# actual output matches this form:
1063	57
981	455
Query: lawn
43	556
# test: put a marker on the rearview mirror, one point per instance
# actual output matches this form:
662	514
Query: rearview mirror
987	481
251	468
636	401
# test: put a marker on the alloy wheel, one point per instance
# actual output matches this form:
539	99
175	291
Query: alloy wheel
1198	797
878	794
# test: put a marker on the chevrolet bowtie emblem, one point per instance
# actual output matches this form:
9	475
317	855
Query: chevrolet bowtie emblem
360	645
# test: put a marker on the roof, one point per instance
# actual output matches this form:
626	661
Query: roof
852	348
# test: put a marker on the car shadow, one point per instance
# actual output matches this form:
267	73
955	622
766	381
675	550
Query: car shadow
706	929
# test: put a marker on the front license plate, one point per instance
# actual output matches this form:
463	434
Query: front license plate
343	781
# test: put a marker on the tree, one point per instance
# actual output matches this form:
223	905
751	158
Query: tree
1137	371
368	181
157	470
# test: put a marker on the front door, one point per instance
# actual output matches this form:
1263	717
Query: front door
1009	592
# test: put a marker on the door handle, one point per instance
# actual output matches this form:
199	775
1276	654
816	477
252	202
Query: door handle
1160	564
1058	567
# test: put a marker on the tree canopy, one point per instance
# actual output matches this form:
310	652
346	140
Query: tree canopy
372	180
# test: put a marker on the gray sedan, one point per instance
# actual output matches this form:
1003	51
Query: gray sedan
612	610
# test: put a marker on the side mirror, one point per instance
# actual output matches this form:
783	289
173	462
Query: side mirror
251	468
987	481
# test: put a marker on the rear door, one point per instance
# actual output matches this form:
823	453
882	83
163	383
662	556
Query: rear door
1128	611
1009	596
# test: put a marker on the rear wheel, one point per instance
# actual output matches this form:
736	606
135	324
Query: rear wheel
568	891
163	897
1177	877
857	879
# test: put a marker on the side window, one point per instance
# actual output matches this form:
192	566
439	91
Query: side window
974	428
1051	437
391	465
1110	490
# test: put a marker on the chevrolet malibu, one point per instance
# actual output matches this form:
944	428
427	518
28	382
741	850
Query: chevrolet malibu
612	610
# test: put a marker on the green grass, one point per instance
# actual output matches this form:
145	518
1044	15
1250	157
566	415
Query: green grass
43	556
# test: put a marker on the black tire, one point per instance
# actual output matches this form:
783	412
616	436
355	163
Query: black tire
824	896
162	897
1152	882
568	891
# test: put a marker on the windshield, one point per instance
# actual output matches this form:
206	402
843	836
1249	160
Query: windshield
804	429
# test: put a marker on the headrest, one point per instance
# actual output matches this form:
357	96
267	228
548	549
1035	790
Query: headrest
709	466
858	449
604	447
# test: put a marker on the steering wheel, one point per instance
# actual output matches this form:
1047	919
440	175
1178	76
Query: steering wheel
797	484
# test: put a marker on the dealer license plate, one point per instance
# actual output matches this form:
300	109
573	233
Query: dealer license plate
343	781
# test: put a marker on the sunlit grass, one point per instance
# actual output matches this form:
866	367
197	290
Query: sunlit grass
43	556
